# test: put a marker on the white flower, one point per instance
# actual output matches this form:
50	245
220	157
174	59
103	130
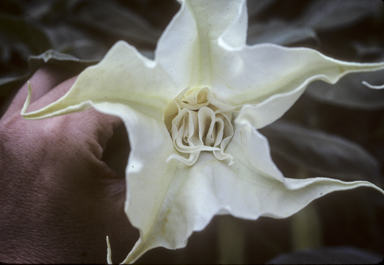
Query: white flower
192	115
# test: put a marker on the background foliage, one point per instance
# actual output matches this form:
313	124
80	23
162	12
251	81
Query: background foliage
332	131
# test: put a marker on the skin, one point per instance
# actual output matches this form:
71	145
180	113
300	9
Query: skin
58	198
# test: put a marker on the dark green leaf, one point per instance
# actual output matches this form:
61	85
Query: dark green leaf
321	153
70	40
256	7
66	61
278	32
11	7
333	14
25	33
113	19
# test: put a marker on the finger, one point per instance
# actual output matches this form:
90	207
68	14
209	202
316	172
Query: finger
94	128
85	125
91	127
117	150
42	81
51	95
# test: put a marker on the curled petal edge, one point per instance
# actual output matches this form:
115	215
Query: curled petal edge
365	83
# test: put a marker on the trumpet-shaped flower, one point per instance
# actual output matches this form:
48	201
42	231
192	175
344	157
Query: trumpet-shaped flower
192	116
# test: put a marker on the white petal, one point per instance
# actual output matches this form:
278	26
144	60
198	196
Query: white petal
185	46
271	109
187	198
124	76
254	74
263	191
151	182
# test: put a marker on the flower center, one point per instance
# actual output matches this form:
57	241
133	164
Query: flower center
198	122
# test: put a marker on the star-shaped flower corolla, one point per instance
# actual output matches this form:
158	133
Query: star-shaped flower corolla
192	116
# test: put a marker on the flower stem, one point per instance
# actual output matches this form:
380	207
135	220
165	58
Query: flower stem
231	241
306	226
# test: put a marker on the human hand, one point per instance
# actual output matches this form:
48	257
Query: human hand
58	199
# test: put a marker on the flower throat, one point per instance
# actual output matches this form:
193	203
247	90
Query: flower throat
198	122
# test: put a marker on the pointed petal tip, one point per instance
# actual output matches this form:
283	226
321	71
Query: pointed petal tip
136	252
109	252
372	86
27	101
